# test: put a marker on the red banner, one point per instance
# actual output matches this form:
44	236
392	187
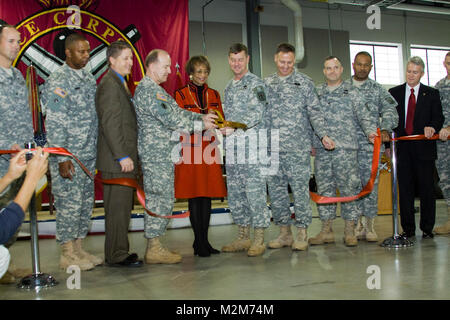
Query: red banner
145	24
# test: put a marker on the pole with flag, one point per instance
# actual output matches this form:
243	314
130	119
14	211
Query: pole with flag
35	106
39	127
179	78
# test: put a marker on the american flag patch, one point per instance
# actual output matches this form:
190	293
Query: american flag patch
160	96
60	92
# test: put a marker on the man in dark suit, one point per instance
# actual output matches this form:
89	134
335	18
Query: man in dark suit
420	112
117	152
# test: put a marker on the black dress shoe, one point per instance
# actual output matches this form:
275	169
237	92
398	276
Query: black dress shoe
131	261
211	249
427	235
407	235
200	251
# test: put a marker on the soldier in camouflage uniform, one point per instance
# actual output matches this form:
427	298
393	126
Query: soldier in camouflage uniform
382	106
443	147
294	106
345	110
15	124
159	119
245	102
69	101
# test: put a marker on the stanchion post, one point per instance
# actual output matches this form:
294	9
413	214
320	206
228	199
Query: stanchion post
396	241
394	186
37	280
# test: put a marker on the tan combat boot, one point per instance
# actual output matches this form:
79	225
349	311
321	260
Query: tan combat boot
13	274
257	247
445	228
157	254
325	235
360	231
242	243
69	258
371	235
8	278
301	241
86	255
284	239
349	234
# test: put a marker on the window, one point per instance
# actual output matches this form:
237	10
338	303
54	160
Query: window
386	60
433	58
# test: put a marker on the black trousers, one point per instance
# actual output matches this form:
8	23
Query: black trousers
200	215
415	174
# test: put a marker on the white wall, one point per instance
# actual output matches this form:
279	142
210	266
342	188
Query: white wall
401	27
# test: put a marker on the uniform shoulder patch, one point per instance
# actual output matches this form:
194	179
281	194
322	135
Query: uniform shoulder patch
259	91
60	92
390	100
161	97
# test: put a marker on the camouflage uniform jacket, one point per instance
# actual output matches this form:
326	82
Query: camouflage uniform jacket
294	107
246	102
381	104
15	124
443	86
158	116
345	111
69	102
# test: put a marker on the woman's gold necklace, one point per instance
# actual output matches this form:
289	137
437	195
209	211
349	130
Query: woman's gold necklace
195	101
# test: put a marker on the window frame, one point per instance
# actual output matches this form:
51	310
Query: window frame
374	58
426	48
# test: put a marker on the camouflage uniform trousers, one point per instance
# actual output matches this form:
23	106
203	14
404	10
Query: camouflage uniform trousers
74	201
369	203
159	195
295	170
247	195
8	196
443	149
338	169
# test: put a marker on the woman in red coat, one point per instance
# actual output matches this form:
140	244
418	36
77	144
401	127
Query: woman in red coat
199	176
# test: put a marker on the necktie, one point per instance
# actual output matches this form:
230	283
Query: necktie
410	115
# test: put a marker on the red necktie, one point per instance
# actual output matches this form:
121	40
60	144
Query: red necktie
410	115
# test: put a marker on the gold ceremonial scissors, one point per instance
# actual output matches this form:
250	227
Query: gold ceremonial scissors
222	123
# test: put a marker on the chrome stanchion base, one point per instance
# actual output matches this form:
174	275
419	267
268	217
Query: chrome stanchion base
37	281
397	242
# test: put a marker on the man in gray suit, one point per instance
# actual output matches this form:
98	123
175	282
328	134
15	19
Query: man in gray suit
117	152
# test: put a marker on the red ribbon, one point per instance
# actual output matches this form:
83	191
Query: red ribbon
373	174
417	137
314	196
367	188
128	182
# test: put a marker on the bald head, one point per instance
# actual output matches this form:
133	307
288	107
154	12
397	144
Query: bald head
158	65
153	56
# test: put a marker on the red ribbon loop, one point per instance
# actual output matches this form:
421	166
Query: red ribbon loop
367	188
128	182
373	174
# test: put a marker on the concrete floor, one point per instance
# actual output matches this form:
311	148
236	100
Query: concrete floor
323	272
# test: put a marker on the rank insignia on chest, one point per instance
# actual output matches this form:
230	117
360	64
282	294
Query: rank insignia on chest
345	91
60	92
161	97
260	93
296	83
